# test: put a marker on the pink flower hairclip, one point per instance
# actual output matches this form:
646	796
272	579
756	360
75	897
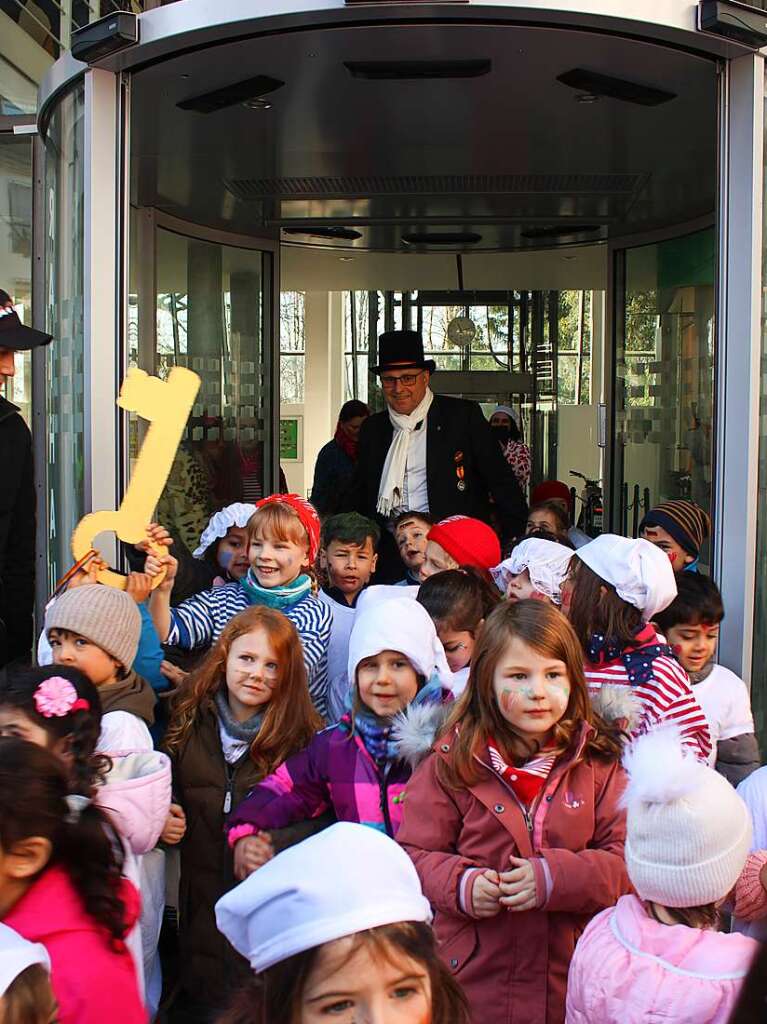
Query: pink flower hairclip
56	698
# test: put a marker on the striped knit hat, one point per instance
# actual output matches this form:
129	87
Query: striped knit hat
685	521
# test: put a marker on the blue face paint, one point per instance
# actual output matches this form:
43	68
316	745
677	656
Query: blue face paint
224	558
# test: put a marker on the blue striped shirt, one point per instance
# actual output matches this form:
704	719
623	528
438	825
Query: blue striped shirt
199	620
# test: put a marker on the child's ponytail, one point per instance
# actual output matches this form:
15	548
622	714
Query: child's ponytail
35	800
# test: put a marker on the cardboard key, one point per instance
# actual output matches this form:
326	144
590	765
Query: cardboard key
166	404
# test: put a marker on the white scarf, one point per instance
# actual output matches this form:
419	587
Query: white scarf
390	492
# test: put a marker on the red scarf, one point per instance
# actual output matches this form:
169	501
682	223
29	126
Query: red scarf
527	781
345	443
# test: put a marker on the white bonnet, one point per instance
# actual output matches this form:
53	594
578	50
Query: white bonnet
399	624
511	413
640	572
547	562
16	954
237	514
346	879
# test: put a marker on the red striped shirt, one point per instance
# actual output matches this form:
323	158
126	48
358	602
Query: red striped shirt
666	696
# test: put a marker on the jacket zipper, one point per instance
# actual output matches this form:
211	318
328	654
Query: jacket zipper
384	788
228	796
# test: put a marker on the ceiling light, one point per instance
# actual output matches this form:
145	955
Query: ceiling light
257	104
346	259
586	97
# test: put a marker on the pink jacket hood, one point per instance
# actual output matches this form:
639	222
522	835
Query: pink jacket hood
137	796
628	969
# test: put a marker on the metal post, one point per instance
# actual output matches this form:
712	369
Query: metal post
39	391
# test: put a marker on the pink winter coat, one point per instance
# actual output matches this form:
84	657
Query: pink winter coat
630	969
91	981
136	796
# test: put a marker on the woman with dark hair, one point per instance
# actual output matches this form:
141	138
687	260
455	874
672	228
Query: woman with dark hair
507	430
335	463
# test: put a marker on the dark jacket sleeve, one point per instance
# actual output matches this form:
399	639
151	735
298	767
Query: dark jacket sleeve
737	757
18	563
497	475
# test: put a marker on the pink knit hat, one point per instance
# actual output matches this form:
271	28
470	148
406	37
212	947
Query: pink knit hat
469	541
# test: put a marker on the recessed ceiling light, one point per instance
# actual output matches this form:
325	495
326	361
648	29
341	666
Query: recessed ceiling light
257	104
346	259
586	97
569	259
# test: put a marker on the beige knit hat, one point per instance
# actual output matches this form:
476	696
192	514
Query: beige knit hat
109	618
688	831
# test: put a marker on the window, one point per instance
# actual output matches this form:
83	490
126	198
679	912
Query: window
574	358
292	347
357	307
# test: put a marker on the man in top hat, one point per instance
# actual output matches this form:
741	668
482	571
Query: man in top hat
17	498
427	453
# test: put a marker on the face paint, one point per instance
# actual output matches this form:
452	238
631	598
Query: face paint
224	558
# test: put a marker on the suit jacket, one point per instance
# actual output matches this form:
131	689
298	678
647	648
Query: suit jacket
460	449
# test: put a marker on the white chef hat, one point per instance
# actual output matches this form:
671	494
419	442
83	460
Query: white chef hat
16	954
640	572
344	880
399	624
237	514
547	562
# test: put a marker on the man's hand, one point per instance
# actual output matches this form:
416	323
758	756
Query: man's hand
251	853
518	889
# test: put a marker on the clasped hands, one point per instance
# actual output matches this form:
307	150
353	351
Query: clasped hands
514	889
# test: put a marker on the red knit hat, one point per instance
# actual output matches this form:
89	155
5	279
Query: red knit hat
305	511
469	541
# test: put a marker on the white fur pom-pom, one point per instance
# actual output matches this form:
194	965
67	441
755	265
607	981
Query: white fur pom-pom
618	704
660	768
415	730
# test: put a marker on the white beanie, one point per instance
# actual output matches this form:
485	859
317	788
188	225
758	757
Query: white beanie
399	624
640	572
16	954
547	562
384	592
237	514
688	831
341	881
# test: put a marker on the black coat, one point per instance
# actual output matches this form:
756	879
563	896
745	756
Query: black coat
333	472
460	449
17	535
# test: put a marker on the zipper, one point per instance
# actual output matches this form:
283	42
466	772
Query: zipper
230	768
384	791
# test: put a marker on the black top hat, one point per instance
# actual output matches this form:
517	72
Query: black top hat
14	335
401	350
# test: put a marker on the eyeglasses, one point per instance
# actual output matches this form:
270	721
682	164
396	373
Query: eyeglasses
407	380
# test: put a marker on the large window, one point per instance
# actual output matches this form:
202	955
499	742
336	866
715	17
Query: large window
292	347
64	240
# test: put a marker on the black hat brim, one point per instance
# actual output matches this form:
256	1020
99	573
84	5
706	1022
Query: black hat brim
20	338
427	364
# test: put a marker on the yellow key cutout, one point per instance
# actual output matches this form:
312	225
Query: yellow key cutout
166	404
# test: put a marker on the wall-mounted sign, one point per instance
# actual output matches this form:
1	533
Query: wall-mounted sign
291	439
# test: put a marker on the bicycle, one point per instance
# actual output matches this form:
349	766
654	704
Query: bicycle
592	514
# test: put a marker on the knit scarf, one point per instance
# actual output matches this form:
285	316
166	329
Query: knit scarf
705	672
390	493
345	443
275	597
376	733
245	731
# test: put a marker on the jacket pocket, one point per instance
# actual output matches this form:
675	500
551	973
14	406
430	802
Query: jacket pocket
457	942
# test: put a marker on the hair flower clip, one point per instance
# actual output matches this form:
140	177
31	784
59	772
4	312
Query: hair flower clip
56	697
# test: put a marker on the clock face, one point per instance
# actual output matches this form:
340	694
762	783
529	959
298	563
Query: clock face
461	331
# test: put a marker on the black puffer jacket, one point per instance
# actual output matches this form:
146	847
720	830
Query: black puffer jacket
17	536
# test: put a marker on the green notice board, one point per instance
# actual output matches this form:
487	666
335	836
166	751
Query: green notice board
290	439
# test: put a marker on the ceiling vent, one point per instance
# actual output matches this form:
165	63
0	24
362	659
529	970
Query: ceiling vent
231	95
411	70
559	231
594	84
441	238
345	234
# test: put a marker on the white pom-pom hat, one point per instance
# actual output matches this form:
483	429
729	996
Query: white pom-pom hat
688	833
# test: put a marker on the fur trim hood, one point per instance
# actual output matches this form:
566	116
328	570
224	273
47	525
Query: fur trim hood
619	706
416	729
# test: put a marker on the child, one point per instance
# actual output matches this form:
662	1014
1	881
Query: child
616	588
96	629
679	528
358	767
349	943
536	569
283	543
410	530
549	517
558	492
516	813
224	543
60	885
348	558
59	708
691	626
658	955
458	602
26	996
234	720
460	540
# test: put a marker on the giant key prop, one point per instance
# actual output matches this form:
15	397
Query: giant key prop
166	404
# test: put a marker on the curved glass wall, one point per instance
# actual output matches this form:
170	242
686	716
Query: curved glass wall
64	241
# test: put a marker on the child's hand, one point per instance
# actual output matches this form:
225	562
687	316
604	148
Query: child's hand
139	586
175	825
154	564
173	673
88	574
155	534
518	889
251	853
485	894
